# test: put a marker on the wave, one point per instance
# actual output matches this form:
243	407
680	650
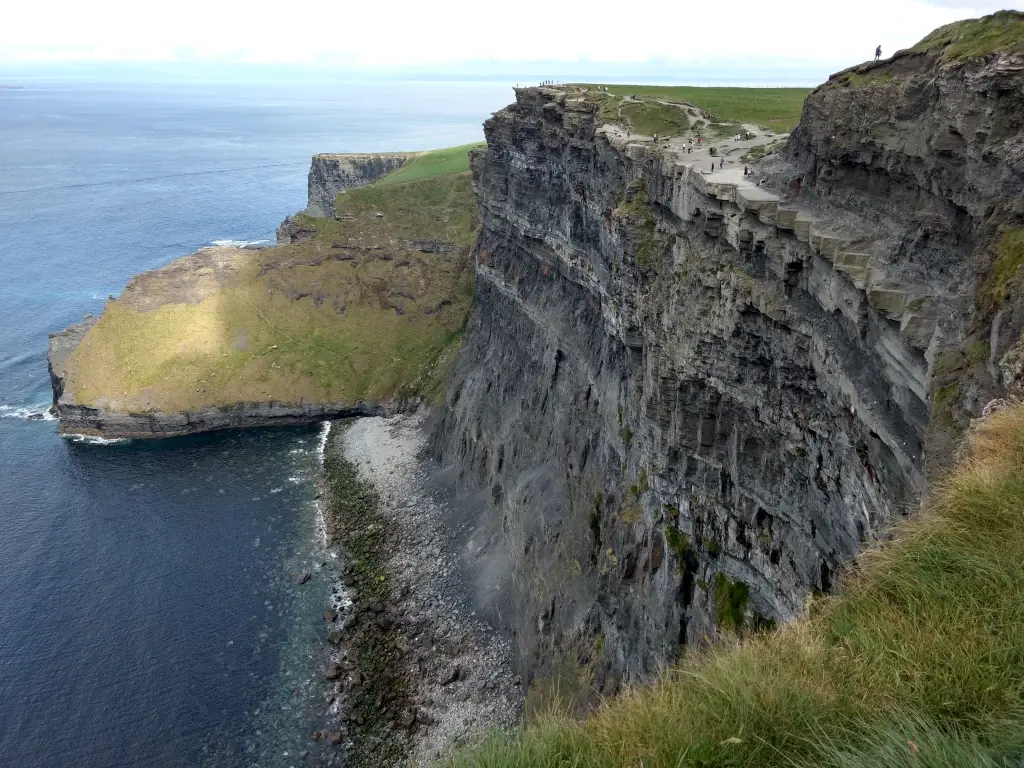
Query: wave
96	440
30	412
239	243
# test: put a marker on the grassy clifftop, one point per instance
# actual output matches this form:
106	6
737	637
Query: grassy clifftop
661	109
1000	32
371	306
438	162
919	661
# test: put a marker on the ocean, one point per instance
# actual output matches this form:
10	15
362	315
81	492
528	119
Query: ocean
149	613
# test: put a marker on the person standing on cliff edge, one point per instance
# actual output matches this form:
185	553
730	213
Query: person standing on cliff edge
878	53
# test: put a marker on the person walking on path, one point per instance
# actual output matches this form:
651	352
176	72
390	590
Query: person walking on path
712	166
721	163
878	53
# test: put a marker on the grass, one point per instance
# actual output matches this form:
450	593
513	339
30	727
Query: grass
1009	258
356	313
428	165
924	644
775	108
1000	32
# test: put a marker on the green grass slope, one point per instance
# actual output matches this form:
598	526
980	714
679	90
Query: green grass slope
363	310
428	165
775	108
919	661
1000	32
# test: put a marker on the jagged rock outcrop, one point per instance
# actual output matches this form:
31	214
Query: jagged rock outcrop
930	151
688	399
329	174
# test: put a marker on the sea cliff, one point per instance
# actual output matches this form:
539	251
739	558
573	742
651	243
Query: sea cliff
690	398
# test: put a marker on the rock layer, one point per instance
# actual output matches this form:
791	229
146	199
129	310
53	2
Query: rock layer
329	174
688	399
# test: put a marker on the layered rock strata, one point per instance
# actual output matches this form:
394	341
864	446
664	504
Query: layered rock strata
689	399
329	174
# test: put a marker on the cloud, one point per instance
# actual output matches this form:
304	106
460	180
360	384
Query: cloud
413	34
973	7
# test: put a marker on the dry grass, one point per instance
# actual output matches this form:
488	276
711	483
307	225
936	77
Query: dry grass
357	313
927	636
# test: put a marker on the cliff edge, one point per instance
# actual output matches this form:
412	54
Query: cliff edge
690	396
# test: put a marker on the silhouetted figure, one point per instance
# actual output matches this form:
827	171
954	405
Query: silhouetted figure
721	163
744	171
878	53
712	166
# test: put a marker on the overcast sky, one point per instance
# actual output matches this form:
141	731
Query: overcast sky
421	34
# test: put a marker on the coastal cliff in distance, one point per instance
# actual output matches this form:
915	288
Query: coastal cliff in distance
360	314
690	399
330	174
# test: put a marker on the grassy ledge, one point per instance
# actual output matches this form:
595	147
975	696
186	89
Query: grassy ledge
1001	32
370	306
428	165
380	693
919	661
656	108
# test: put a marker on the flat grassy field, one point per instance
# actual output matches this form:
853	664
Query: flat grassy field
775	108
437	162
359	312
919	661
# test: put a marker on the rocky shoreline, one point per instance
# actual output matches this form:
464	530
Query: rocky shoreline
414	670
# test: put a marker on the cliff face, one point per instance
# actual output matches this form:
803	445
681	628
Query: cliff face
689	399
929	151
330	174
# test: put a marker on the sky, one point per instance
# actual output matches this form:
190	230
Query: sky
470	35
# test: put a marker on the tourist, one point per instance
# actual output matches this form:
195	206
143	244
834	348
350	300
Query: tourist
721	163
744	171
878	53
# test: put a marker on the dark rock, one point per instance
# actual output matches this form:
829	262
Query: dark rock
330	614
335	636
302	578
770	402
452	675
333	672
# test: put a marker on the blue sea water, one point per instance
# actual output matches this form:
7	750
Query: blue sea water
148	607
